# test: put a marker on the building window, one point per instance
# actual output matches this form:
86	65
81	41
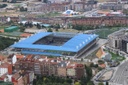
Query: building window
115	43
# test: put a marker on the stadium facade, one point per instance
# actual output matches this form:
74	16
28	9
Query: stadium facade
56	44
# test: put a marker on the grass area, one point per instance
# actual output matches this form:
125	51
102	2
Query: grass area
9	14
2	27
68	30
51	14
102	0
117	57
104	32
12	34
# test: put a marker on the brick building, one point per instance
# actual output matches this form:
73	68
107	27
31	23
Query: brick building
111	6
5	68
41	65
75	71
97	21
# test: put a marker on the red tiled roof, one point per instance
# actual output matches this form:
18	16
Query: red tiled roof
102	65
16	75
3	76
75	65
19	56
1	57
29	57
25	35
2	31
66	3
4	65
79	3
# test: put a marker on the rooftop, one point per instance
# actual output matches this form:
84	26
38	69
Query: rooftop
4	65
25	35
77	42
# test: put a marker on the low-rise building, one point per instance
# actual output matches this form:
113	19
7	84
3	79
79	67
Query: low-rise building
61	70
75	71
111	6
5	68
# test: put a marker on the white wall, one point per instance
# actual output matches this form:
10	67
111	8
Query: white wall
14	59
3	71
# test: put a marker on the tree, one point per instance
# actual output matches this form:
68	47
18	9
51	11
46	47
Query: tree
13	1
38	26
22	28
77	83
100	61
49	30
26	24
89	73
68	80
5	42
90	83
99	68
107	83
30	25
100	83
3	5
45	1
22	9
4	0
92	64
83	80
57	26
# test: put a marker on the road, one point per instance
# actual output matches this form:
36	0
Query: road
94	48
90	13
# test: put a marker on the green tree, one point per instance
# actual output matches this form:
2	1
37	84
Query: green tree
26	25
38	26
92	64
68	80
89	73
100	83
30	25
107	83
100	61
4	0
77	83
83	80
22	28
90	83
45	1
22	9
49	30
13	1
6	42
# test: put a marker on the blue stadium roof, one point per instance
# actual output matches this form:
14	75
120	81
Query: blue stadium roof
41	53
73	45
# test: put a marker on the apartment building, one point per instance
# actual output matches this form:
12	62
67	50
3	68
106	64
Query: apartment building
41	65
117	42
75	71
5	68
98	21
22	77
111	6
115	39
61	70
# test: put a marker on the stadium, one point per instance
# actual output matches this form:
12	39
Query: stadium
56	44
